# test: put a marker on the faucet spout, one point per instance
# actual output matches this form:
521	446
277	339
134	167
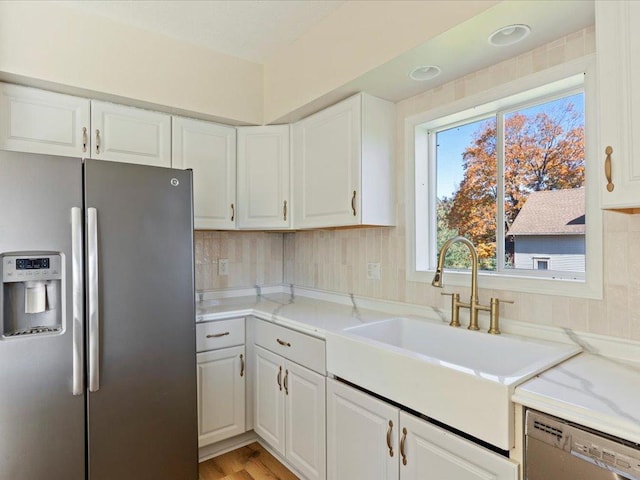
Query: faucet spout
438	277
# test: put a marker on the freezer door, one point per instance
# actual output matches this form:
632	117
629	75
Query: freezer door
42	429
141	322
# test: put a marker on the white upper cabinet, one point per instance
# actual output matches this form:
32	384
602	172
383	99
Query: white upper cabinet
210	150
131	135
343	165
618	51
38	121
263	177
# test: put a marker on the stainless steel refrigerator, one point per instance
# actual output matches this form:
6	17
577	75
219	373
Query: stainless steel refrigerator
97	344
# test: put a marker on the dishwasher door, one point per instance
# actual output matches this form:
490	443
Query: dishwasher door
557	450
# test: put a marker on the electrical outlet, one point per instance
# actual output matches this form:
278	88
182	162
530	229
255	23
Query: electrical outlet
223	267
373	271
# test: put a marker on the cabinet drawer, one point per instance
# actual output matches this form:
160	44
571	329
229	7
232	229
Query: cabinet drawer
219	334
298	347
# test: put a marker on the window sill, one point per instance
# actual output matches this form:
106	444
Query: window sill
589	288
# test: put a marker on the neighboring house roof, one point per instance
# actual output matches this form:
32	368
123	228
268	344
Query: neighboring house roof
551	212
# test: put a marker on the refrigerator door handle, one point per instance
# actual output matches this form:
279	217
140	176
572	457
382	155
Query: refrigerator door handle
77	295
94	319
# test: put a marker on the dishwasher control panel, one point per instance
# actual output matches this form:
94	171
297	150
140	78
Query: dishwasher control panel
604	451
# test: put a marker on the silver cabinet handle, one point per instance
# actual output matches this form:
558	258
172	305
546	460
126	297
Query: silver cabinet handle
286	382
77	295
353	203
94	306
284	211
85	139
97	141
283	343
217	335
241	365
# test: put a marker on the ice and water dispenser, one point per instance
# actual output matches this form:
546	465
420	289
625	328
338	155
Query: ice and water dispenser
31	295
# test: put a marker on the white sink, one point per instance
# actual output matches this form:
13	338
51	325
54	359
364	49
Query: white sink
462	378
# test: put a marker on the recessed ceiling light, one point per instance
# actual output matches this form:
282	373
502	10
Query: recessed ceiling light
426	72
509	35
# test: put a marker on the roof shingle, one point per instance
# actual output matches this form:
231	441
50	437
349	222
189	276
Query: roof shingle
551	212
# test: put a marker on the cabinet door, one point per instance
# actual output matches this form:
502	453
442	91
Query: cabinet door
269	402
305	421
221	388
38	121
433	453
209	150
263	177
362	435
131	135
327	152
618	46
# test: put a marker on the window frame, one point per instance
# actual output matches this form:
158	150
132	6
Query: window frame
420	176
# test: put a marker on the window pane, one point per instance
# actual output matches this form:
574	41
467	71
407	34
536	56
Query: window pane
544	186
466	191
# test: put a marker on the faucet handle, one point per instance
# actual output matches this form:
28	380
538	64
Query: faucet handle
455	308
494	315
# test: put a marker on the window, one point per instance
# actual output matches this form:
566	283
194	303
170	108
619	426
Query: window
511	174
534	154
541	263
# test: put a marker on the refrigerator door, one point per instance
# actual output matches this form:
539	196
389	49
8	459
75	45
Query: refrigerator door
142	400
42	425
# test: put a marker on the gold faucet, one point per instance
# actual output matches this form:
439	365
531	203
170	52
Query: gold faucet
474	306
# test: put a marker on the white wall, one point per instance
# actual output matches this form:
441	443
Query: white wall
336	260
50	45
356	38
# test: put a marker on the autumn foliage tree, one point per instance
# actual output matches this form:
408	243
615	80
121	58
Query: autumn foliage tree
544	151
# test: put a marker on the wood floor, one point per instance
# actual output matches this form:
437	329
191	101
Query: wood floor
247	463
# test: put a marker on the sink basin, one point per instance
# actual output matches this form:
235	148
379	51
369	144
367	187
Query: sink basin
462	378
472	352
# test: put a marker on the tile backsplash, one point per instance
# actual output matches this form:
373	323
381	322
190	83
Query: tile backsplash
255	258
335	260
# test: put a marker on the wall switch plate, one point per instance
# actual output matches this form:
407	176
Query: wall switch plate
223	267
373	271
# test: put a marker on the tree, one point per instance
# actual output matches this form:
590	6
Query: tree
544	151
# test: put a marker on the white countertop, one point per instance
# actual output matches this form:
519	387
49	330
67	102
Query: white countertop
591	390
308	315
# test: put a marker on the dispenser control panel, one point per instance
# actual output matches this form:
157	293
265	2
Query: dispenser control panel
25	268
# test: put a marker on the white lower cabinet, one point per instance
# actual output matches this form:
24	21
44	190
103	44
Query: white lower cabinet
289	412
369	439
221	380
362	435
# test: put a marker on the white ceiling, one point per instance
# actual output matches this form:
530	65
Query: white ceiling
249	29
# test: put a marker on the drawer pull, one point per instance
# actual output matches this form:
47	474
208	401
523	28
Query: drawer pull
217	335
241	365
402	443
283	343
286	382
389	446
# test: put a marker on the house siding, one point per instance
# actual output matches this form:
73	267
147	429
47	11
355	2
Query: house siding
566	253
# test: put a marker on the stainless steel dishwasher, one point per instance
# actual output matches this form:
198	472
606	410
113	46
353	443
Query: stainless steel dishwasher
556	449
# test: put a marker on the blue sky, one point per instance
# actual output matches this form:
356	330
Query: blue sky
452	142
